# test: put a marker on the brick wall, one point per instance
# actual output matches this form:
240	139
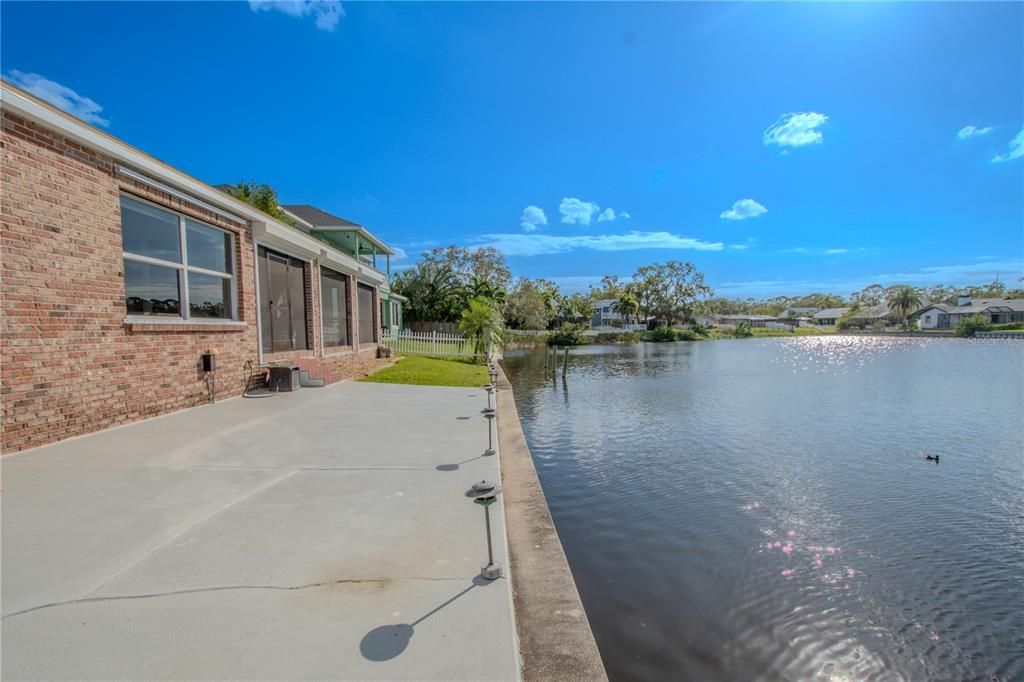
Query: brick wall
70	364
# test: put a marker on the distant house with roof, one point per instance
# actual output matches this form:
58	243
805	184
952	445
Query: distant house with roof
829	316
753	320
605	313
798	311
948	315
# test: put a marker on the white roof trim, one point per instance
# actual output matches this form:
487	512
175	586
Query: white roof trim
266	229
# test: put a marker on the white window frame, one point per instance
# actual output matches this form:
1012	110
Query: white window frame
183	268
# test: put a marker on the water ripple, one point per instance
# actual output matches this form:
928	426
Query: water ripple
762	509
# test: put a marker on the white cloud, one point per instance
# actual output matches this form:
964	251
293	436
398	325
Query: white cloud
606	215
967	132
624	215
532	218
326	13
743	209
796	129
576	211
1015	151
60	96
609	215
543	244
399	253
834	251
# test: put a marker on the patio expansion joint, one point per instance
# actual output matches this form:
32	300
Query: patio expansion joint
174	536
231	588
298	469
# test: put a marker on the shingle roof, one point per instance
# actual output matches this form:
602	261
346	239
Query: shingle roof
317	217
829	313
745	316
980	305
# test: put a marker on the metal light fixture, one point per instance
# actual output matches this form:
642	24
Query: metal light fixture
489	417
490	389
485	494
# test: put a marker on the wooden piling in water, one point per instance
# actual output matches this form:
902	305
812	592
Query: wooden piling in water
565	362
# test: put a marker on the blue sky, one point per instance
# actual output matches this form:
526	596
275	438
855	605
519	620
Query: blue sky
783	148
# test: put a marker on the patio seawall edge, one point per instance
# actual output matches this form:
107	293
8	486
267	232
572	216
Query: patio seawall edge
555	638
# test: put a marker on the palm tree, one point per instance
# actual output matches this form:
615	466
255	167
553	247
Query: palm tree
904	300
482	321
478	287
627	306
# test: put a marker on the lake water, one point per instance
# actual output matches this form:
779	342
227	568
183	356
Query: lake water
762	509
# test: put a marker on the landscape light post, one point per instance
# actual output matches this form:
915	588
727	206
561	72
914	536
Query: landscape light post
485	494
490	389
489	417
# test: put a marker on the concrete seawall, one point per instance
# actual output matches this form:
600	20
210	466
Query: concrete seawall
554	634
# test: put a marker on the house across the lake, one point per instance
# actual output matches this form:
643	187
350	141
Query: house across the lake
795	312
728	320
994	310
605	314
131	289
829	316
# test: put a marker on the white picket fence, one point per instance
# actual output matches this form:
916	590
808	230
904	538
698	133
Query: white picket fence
408	342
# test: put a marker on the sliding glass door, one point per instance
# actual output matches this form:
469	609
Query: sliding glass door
364	301
282	302
334	308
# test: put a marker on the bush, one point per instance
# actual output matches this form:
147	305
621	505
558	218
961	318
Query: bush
686	335
617	337
969	325
743	330
661	335
568	334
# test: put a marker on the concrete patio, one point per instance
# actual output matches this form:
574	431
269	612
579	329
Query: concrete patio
318	534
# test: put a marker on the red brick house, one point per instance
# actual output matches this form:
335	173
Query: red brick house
119	272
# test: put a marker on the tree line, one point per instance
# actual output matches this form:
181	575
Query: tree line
447	280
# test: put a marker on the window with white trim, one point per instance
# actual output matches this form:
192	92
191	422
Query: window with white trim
176	266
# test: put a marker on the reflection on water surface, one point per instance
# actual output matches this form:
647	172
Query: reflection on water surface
762	509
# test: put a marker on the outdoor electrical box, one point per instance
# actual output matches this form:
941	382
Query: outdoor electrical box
284	377
209	362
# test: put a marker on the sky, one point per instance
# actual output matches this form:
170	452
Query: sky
782	148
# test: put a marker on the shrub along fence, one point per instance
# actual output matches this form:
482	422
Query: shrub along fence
437	344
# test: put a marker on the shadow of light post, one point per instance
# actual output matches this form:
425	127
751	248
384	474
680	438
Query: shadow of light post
386	642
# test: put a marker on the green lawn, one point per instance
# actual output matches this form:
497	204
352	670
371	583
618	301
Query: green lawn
423	371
